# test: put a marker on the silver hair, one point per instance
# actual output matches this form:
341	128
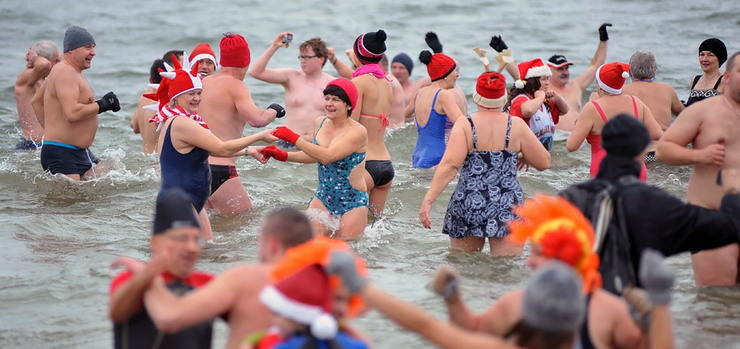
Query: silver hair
643	66
46	49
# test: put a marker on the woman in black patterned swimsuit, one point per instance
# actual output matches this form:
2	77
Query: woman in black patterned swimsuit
485	148
712	54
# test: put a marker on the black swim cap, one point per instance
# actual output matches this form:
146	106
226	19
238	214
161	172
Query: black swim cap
624	136
717	47
174	210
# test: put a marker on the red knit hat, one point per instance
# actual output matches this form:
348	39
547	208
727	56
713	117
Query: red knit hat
439	65
234	51
304	297
203	51
612	76
177	80
348	87
490	90
531	69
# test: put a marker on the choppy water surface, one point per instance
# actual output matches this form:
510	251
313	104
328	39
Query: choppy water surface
57	242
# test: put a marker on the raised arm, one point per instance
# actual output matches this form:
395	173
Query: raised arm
259	70
587	77
449	166
253	115
342	69
127	290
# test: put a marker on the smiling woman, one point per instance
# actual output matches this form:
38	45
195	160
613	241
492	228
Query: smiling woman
712	54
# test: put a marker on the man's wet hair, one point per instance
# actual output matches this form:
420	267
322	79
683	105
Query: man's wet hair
643	66
289	226
167	57
154	76
46	49
318	46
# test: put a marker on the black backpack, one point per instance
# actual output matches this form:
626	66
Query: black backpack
600	202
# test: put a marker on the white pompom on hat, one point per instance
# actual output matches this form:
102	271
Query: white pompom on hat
531	69
304	297
612	76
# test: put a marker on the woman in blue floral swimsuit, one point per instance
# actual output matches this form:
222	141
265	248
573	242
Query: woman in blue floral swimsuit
485	148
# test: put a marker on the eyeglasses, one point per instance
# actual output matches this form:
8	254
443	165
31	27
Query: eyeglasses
305	58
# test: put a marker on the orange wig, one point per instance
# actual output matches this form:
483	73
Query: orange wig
562	232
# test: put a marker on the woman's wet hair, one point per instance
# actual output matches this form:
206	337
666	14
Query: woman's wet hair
154	76
531	85
643	66
337	91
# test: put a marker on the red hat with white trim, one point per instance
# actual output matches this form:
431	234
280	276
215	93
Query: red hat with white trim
531	69
203	51
612	76
304	297
490	90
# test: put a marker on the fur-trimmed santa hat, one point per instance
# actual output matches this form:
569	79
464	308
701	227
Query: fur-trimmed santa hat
490	90
304	297
531	69
203	51
612	76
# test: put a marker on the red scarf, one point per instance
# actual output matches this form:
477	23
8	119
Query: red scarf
168	112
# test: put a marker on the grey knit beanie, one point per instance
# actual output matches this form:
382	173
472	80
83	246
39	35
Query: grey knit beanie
76	37
554	300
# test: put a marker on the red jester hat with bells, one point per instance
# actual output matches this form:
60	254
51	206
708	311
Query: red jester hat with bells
177	81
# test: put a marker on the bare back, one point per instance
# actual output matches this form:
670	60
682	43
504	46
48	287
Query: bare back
613	106
304	102
377	97
248	315
58	125
658	96
218	110
141	125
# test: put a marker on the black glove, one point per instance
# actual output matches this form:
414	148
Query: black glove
498	44
280	111
603	35
108	102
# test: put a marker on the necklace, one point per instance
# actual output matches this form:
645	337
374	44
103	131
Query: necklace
737	113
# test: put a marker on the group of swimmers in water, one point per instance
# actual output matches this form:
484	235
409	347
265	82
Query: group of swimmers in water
193	114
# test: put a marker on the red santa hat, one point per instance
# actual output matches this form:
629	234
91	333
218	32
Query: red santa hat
531	69
203	51
612	76
304	297
177	80
490	90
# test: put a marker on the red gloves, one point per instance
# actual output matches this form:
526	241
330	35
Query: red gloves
286	134
275	152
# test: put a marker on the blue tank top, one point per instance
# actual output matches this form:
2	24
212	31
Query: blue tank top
190	171
430	146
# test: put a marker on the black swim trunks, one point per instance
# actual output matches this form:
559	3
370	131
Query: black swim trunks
220	174
381	170
27	144
66	159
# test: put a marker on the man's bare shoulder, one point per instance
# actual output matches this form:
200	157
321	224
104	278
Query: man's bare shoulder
572	88
24	78
248	276
608	303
